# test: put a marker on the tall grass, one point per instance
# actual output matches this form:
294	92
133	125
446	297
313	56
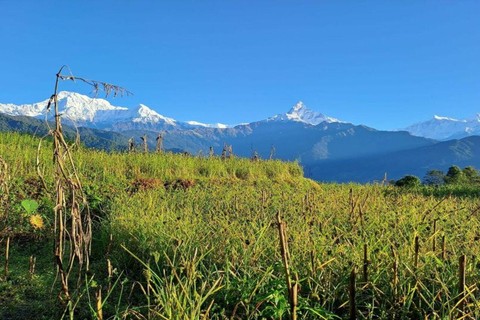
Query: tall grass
199	239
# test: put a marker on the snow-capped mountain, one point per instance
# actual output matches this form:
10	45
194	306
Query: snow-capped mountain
300	113
443	128
82	110
206	125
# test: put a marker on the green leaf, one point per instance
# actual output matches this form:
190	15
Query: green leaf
30	205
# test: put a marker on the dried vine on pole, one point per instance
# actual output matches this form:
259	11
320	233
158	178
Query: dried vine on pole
4	179
159	142
72	240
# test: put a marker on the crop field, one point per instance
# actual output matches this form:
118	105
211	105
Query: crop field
183	237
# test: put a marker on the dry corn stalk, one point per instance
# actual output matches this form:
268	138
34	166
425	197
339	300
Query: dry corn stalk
291	288
7	257
160	142
4	178
145	143
73	225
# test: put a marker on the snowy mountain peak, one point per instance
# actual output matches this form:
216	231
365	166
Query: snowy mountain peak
86	111
475	117
300	113
148	115
207	125
299	107
444	128
435	117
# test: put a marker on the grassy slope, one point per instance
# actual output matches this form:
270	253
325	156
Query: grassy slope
199	221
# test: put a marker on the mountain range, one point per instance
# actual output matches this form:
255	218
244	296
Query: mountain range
329	149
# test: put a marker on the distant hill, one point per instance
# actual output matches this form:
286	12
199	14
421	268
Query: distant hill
92	138
463	152
328	149
444	128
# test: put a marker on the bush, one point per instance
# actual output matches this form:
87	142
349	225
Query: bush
409	181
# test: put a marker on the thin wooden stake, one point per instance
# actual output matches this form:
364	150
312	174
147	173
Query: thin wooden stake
461	283
353	307
294	299
7	256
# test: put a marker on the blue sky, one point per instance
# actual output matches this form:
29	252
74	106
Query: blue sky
385	64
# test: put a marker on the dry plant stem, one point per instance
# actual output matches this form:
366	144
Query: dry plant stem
7	256
417	248
159	142
31	268
353	307
37	164
443	247
312	261
70	198
145	143
365	263
434	244
98	296
461	284
4	189
4	177
110	275
283	250
395	275
131	145
395	278
292	289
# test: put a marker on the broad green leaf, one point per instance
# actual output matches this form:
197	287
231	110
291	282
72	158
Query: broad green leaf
30	205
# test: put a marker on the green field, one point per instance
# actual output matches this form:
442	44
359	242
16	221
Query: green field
197	238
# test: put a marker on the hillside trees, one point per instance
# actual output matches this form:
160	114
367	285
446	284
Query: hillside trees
455	176
434	178
409	181
471	175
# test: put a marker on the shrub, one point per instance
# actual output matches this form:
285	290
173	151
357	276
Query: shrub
409	181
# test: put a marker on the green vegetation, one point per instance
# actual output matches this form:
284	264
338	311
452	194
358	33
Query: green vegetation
468	177
197	238
408	181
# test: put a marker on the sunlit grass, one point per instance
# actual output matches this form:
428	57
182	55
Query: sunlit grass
204	230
